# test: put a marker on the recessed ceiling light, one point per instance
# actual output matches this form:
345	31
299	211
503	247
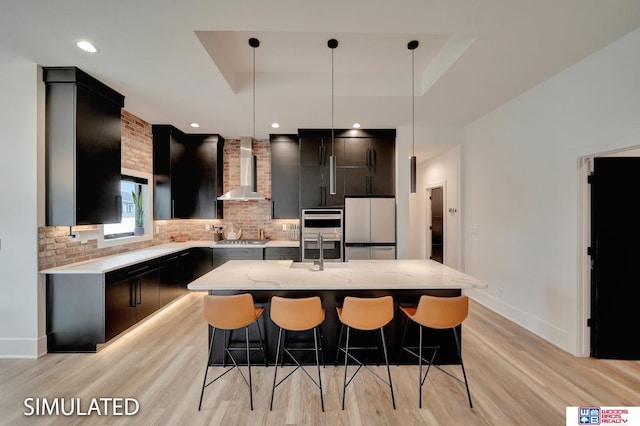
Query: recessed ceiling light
194	125
86	46
356	125
275	125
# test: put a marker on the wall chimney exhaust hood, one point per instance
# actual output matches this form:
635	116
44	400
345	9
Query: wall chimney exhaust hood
247	191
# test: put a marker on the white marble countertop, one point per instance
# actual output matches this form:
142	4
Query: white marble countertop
356	274
122	260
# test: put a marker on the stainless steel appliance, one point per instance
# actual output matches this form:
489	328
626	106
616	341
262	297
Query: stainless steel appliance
370	228
328	224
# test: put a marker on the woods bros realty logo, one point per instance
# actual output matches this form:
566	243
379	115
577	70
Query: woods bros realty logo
603	415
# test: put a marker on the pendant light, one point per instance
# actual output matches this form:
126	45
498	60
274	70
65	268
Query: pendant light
254	43
412	160
332	43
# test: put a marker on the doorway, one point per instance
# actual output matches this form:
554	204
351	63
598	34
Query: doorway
614	252
435	228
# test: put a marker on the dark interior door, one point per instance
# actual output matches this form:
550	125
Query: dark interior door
437	225
615	250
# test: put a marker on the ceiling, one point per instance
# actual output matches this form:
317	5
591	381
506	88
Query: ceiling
183	61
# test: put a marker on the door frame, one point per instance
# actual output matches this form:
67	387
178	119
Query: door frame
583	294
427	238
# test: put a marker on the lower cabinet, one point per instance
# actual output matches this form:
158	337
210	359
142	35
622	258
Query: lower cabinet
221	255
131	294
179	269
84	310
282	253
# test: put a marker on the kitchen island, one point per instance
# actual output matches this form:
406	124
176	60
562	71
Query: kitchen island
405	280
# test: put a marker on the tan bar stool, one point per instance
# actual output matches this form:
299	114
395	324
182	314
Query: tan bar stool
297	315
365	314
438	313
232	313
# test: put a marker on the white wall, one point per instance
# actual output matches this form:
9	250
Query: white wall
520	186
21	119
443	170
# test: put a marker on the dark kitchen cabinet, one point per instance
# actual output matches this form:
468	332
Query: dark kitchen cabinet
381	166
83	144
171	277
187	172
84	310
131	294
285	175
222	255
179	269
365	165
282	253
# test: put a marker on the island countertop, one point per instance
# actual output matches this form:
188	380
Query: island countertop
251	275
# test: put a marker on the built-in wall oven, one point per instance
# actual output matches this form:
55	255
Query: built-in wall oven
327	222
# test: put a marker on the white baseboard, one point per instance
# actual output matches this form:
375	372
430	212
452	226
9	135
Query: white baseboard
558	337
23	348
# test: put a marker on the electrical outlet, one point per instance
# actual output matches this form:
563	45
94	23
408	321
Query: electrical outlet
284	226
157	229
74	236
207	227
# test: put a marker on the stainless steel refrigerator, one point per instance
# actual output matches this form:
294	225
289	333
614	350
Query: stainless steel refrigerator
370	228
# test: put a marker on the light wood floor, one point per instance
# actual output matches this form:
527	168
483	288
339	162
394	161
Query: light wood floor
515	378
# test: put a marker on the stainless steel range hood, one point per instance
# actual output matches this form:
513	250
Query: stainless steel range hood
247	191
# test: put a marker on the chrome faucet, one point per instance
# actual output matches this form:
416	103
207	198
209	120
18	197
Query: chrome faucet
320	260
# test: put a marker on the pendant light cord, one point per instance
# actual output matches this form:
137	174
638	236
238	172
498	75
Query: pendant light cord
254	93
332	97
413	104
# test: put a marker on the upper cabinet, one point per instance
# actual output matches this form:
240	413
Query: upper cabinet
365	164
83	138
187	174
285	174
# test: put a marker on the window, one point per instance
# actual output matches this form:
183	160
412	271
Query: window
129	185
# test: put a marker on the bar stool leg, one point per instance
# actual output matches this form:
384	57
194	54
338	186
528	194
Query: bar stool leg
404	335
339	341
346	358
246	335
420	381
204	382
264	352
386	360
275	373
315	341
464	374
225	344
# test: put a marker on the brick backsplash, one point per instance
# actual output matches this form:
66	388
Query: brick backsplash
55	249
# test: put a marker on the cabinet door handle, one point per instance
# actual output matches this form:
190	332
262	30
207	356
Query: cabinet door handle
139	299
135	271
132	294
119	208
320	155
324	155
371	157
172	209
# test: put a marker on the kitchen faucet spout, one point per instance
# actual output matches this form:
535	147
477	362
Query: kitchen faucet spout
320	260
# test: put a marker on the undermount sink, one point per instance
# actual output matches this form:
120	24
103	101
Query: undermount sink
327	265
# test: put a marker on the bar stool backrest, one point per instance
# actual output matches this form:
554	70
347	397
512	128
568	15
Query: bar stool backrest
297	314
229	312
441	312
367	313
